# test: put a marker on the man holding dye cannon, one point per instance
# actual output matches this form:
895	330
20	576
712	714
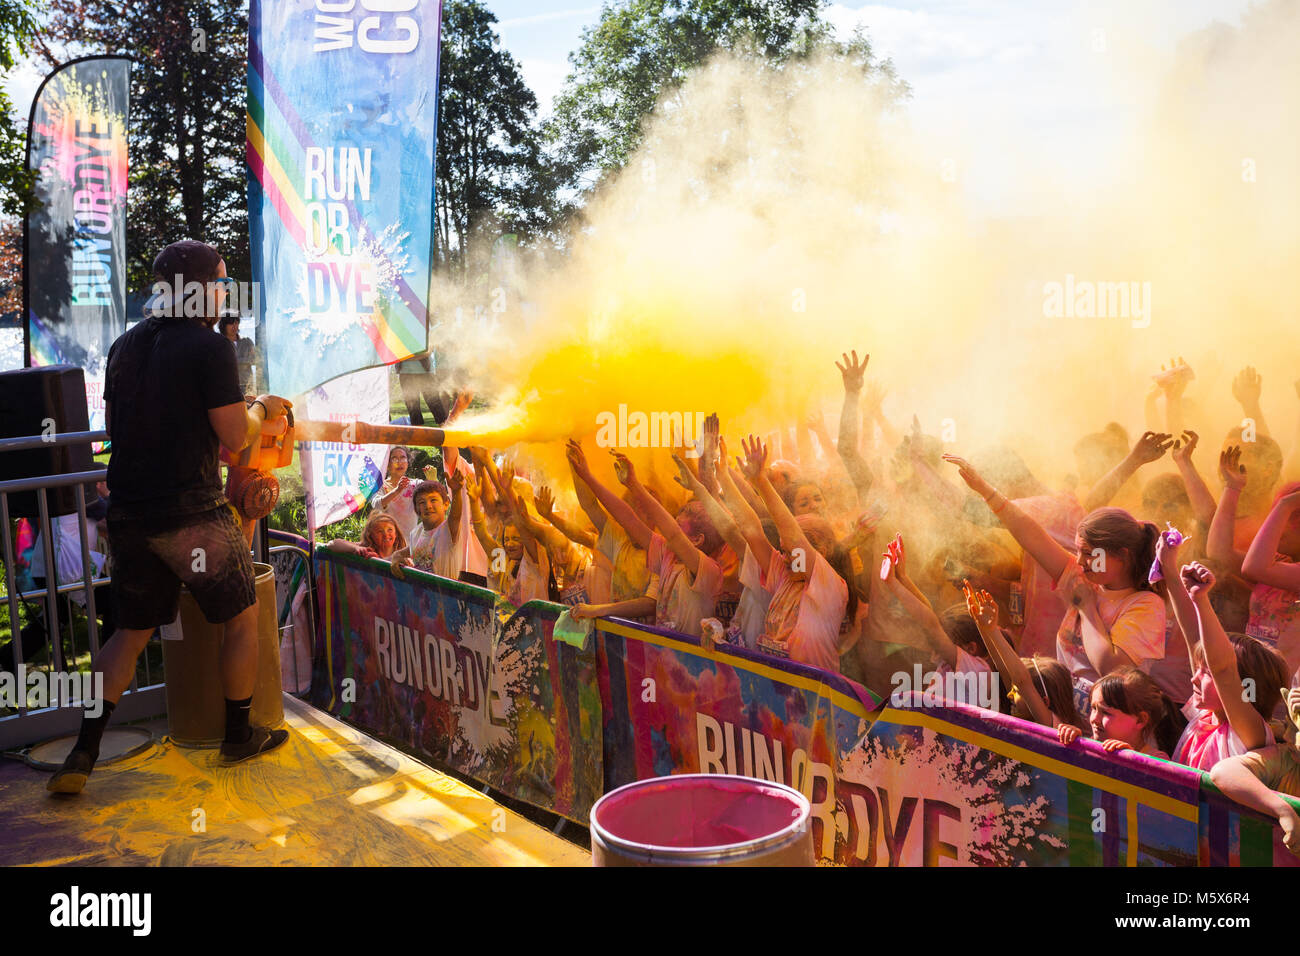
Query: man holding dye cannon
172	399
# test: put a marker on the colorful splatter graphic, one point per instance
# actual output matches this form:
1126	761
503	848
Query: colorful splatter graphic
426	663
77	233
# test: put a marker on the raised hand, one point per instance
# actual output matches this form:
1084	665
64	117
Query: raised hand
1197	578
623	469
1167	552
708	443
1231	470
980	605
974	480
755	459
1151	447
1174	379
853	371
577	458
456	481
684	477
545	502
1246	387
472	488
1184	446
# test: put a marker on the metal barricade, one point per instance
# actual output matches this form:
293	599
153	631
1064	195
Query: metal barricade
29	725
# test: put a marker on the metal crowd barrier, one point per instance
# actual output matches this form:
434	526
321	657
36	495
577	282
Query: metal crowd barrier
28	725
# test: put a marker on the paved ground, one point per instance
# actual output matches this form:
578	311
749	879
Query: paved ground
331	796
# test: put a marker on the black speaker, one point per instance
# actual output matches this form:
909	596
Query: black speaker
29	397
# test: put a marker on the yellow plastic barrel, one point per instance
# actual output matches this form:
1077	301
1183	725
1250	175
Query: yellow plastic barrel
196	706
702	819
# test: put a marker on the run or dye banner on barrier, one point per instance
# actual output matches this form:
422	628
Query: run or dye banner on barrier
342	120
671	706
425	662
954	785
75	265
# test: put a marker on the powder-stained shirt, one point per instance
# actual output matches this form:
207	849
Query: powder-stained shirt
681	601
1135	620
805	616
1275	620
631	571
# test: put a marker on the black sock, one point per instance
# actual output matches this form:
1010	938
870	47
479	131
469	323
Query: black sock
92	730
237	711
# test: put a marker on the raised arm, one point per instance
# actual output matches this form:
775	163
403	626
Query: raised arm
746	517
1220	548
545	504
1184	610
456	483
984	610
531	532
586	500
1221	659
1246	389
1173	382
667	526
637	530
717	512
1031	536
787	526
853	373
1198	493
474	491
1150	447
1261	562
919	610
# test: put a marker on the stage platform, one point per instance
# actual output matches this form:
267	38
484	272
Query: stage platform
331	796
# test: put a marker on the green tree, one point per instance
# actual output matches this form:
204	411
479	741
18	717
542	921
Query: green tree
186	140
642	51
490	178
18	28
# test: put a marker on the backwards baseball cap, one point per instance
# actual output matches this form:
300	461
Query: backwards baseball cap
190	259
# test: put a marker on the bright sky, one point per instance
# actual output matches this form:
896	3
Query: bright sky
1046	77
997	74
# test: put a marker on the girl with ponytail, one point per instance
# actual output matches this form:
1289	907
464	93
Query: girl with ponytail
1116	616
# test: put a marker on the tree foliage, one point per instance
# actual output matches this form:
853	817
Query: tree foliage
489	175
186	137
18	28
641	51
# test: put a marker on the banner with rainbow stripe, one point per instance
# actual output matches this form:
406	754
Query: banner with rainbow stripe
342	121
75	261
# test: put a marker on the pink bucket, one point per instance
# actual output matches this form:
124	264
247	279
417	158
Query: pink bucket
702	819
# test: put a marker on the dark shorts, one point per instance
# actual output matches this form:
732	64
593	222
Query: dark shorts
208	554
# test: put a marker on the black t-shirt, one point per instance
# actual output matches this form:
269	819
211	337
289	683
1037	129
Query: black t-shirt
163	376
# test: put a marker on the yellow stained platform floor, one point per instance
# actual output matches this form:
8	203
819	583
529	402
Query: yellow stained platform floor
331	796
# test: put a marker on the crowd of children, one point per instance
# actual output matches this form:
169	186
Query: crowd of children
1169	626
